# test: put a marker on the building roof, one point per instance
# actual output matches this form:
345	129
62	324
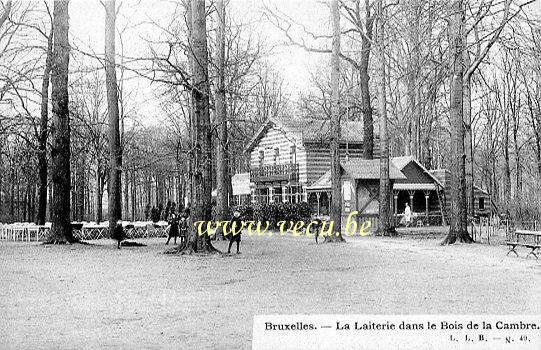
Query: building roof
358	169
310	130
401	162
365	169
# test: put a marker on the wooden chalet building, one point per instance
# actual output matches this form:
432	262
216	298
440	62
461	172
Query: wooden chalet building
286	156
290	162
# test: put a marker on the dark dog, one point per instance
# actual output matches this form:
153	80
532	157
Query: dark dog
236	230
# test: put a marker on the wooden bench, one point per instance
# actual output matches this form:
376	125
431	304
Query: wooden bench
532	244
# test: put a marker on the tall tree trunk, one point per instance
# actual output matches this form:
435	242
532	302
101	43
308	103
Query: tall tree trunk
506	163
384	182
115	151
202	147
518	168
99	196
126	213
222	193
468	139
42	139
60	151
336	176
80	190
133	195
364	77
458	220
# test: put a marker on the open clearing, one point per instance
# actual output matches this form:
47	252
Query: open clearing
58	297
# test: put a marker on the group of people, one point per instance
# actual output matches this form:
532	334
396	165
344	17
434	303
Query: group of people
179	228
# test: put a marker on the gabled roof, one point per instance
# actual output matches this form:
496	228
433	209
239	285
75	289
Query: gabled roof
309	130
401	162
365	169
358	169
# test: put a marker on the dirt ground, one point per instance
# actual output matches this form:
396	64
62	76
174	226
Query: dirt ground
73	297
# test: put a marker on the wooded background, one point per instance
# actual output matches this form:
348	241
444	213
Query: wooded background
420	51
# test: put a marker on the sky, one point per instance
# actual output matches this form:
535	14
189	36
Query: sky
295	64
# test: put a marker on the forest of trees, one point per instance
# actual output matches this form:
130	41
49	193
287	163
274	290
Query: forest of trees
457	84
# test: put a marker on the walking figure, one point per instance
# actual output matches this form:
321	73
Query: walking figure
173	230
315	227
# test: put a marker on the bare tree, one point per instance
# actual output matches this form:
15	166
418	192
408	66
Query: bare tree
458	229
201	128
222	173
115	151
44	121
60	151
336	170
384	182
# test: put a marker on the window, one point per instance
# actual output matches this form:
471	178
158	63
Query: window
481	203
293	154
276	156
261	157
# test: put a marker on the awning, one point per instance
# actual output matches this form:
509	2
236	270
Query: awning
241	184
414	186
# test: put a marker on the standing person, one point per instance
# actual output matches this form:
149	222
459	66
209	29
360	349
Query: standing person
407	214
173	230
183	227
236	230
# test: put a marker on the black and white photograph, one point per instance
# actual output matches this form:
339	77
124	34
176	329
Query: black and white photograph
270	174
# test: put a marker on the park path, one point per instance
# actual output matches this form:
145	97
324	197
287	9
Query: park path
58	297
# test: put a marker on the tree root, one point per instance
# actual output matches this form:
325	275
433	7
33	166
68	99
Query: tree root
188	249
453	237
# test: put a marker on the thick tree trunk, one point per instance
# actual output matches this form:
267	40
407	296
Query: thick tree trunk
42	139
60	151
458	220
364	77
222	193
201	209
384	182
336	178
115	151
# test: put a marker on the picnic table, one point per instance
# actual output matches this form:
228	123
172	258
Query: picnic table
525	238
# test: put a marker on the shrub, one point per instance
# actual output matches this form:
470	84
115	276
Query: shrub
275	212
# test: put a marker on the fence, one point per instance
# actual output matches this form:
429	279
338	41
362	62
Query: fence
87	231
485	228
